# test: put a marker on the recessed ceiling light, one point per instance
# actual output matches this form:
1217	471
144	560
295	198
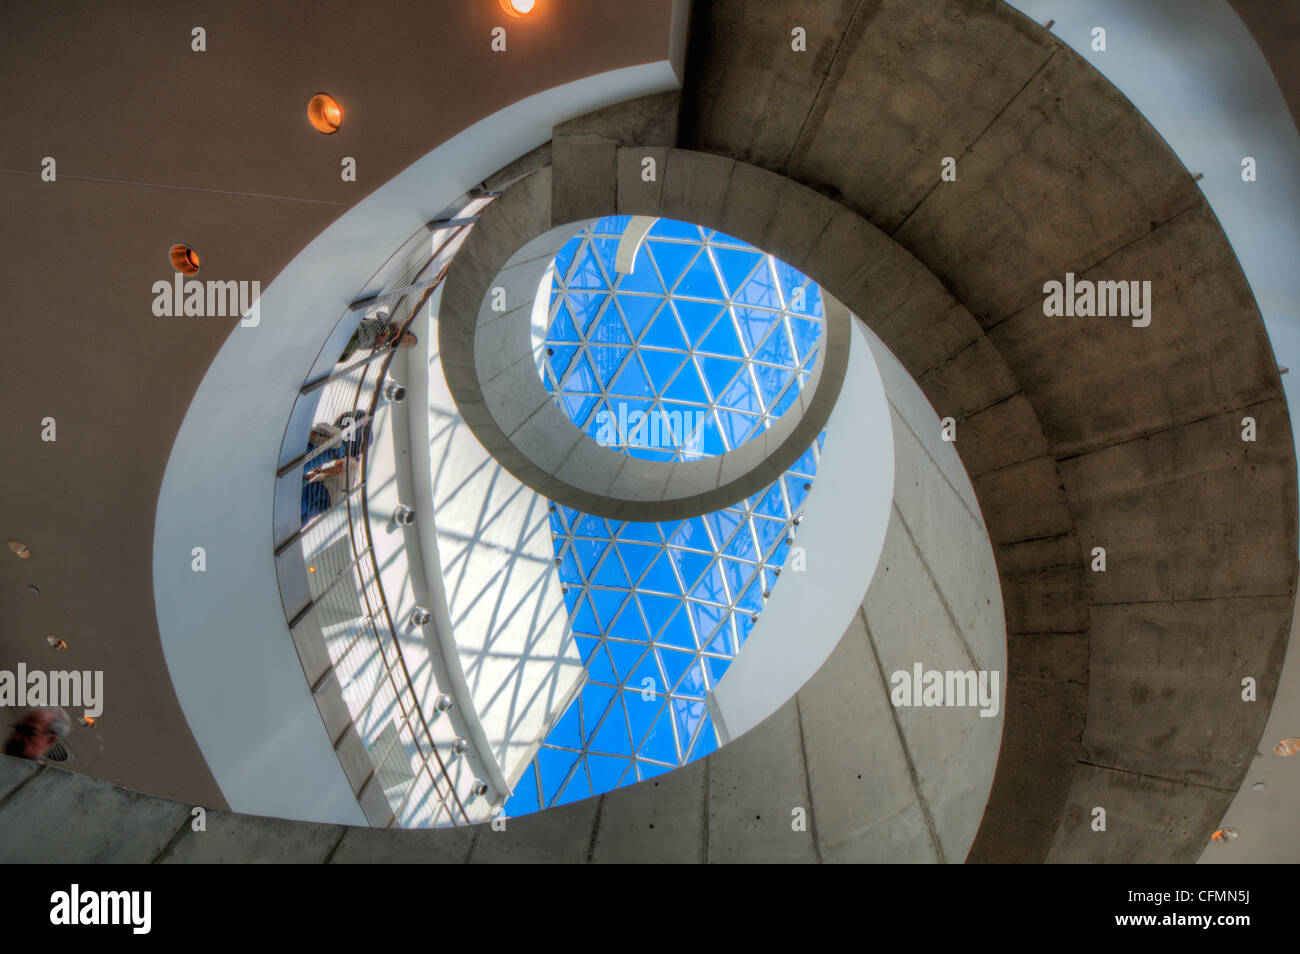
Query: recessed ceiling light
19	548
1287	747
184	259
518	8
1257	787
324	113
1224	834
56	643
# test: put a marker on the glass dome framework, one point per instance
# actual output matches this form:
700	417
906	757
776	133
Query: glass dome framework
699	348
658	610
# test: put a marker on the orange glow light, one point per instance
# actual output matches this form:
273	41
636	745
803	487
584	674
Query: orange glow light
324	113
518	8
184	259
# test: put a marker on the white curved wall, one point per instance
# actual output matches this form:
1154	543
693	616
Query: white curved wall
232	663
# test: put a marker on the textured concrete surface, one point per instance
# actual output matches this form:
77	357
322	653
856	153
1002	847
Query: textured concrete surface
1079	432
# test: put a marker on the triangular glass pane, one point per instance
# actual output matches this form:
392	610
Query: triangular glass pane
678	631
661	366
723	339
686	387
631	381
638	310
718	372
658	743
629	624
664	332
641	712
595	700
735	266
555	766
611	737
626	656
585	308
606	361
610	573
607	603
671	257
636	557
601	670
700	281
606	772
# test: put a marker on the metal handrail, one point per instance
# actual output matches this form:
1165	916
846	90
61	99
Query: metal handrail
405	296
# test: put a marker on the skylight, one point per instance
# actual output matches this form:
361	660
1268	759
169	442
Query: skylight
699	348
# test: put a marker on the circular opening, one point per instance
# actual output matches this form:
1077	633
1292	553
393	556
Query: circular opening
184	259
324	113
19	549
1224	834
518	8
56	643
669	341
1287	747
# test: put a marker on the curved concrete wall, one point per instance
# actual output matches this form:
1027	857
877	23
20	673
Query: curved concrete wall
1124	686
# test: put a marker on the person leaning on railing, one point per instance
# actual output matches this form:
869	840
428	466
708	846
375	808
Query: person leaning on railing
376	331
330	474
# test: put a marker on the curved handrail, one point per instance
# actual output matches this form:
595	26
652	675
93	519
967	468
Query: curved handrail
328	437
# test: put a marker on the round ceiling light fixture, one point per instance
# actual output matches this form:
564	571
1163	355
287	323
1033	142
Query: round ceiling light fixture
184	259
1284	748
518	8
1224	834
19	549
324	113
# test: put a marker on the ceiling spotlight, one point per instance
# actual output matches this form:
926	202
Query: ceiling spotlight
184	259
459	747
518	8
443	702
324	113
87	721
1257	787
57	644
393	391
479	788
1224	834
1287	747
404	515
420	616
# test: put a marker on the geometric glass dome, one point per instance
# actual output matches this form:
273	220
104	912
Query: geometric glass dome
658	611
702	345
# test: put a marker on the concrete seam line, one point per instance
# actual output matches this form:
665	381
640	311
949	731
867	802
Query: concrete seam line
595	829
902	741
1159	778
704	828
173	841
955	492
1250	404
1083	270
343	833
807	781
975	142
821	85
943	600
473	843
40	767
